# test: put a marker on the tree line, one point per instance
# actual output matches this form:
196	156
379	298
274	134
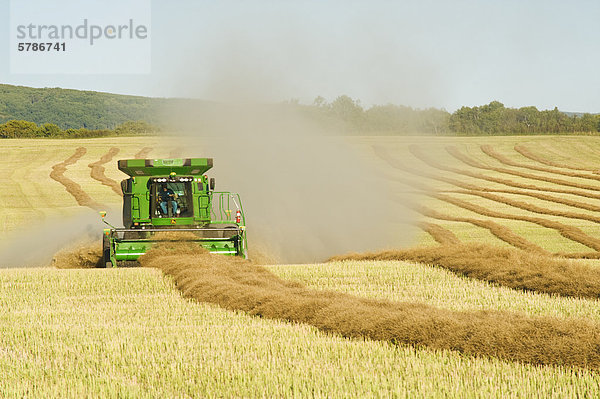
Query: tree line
25	129
491	119
55	112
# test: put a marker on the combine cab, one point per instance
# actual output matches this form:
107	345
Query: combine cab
173	195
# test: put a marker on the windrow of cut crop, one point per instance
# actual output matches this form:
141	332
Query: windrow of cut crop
415	151
455	152
571	232
439	233
73	188
97	171
143	153
521	149
489	150
383	154
239	285
501	232
531	207
508	267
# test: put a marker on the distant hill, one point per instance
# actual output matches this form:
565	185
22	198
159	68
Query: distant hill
74	109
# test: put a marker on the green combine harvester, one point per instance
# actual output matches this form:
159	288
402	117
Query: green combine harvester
173	195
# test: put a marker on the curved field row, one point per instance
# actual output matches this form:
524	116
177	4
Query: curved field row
471	162
570	232
439	233
521	149
507	267
383	154
502	232
143	153
489	150
236	284
415	151
73	188
97	171
531	207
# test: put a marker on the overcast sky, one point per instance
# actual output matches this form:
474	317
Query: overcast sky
417	53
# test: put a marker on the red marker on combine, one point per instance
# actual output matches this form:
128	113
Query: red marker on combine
238	216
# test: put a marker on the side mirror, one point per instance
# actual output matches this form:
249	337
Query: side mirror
102	214
212	183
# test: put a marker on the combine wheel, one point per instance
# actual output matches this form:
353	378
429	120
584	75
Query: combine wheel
105	252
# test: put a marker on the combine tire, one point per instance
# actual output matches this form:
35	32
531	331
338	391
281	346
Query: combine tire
105	252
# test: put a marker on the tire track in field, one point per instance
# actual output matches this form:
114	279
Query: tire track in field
73	188
488	150
97	171
415	151
383	154
143	153
476	164
521	149
440	234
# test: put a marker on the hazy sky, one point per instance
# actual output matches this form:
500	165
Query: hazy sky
417	53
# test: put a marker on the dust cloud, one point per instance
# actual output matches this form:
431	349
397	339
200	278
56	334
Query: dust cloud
36	245
307	193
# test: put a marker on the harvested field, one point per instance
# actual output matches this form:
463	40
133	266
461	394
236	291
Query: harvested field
98	169
73	188
108	326
131	330
239	285
521	149
452	150
498	230
382	153
511	268
570	232
487	149
511	183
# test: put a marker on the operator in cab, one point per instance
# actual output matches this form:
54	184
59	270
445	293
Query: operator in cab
167	195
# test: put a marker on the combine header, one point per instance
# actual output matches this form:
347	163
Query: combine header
173	195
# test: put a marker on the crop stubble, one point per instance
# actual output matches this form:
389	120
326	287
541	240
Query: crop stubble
237	284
